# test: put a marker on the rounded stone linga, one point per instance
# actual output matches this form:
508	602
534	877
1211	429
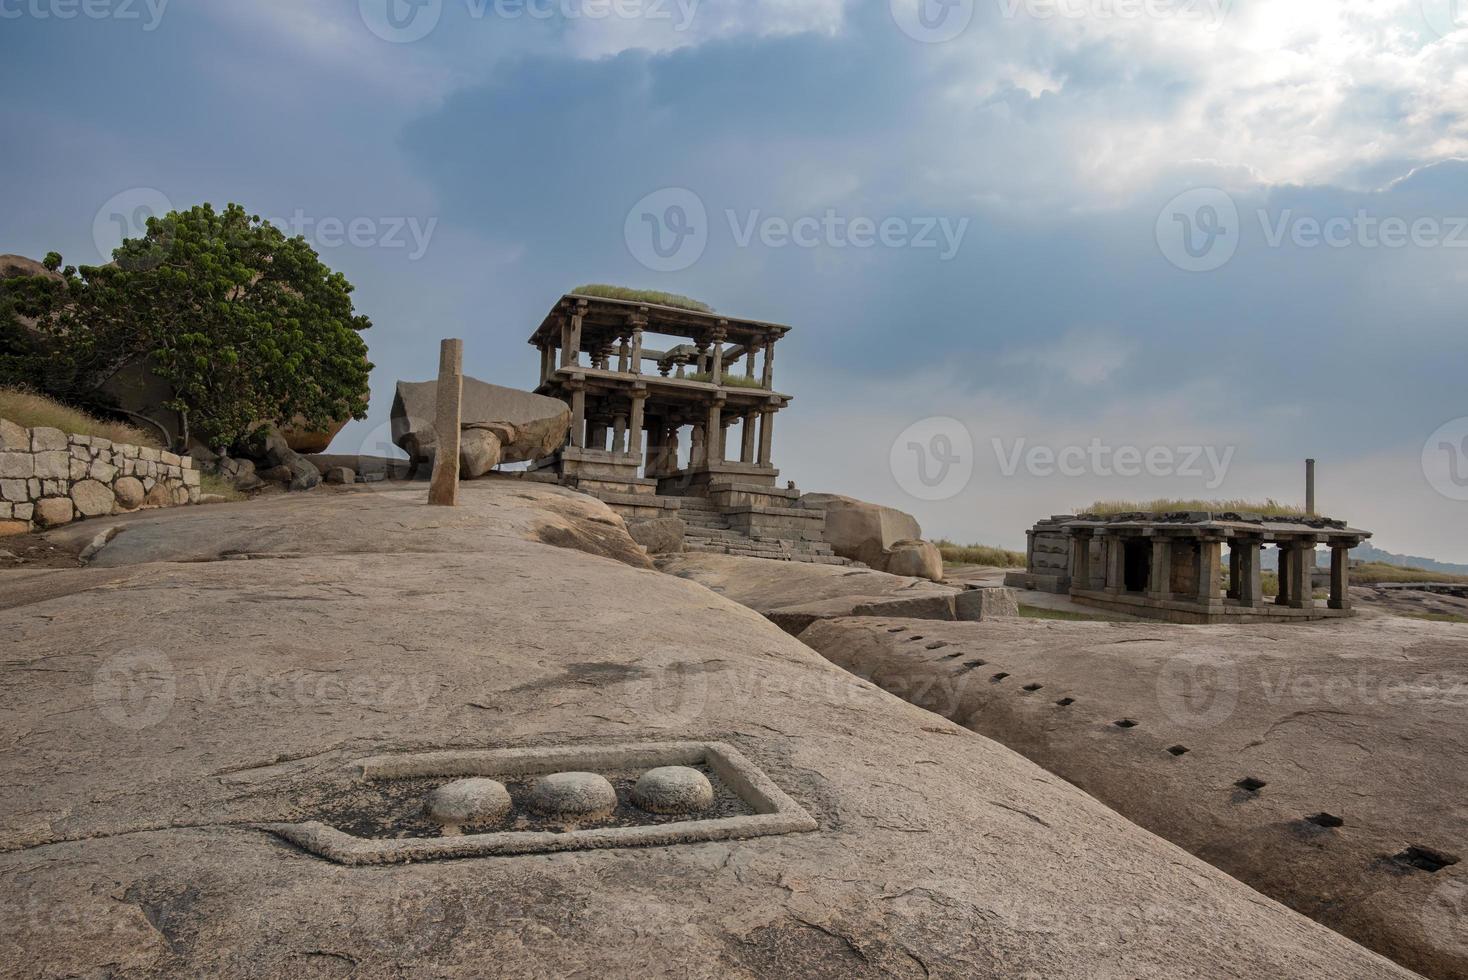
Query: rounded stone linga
579	795
469	801
673	789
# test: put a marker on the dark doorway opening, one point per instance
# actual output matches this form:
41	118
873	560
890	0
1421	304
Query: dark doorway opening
1138	564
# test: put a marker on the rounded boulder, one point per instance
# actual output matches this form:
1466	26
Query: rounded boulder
129	493
54	511
92	499
469	801
673	789
576	795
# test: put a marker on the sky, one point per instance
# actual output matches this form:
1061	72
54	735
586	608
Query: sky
1035	253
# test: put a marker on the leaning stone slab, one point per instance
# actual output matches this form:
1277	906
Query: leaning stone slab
527	426
916	607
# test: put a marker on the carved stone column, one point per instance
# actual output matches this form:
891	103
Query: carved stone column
1115	564
1159	587
634	425
1302	588
766	436
1251	584
713	441
619	433
716	368
746	453
578	414
1210	571
1340	575
1080	560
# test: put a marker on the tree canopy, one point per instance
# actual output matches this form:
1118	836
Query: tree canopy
246	325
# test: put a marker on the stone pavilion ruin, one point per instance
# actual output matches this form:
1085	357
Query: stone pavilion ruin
683	429
1170	566
649	421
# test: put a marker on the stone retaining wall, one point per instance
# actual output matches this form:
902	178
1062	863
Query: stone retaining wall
49	478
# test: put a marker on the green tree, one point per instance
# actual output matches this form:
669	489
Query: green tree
247	325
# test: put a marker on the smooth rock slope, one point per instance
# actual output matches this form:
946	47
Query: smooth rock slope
158	712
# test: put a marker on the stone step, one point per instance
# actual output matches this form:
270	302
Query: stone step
699	517
713	534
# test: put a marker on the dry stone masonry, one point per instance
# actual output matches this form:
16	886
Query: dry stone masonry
49	478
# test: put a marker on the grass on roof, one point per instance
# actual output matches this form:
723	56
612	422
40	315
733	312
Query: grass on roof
33	411
730	380
979	554
650	296
1269	508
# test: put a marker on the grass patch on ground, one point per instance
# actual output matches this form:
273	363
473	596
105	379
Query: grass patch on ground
1437	617
650	296
1375	571
35	411
1269	508
979	554
211	483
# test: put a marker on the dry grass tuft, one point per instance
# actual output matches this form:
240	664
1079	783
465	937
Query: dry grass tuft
218	486
979	554
33	411
1269	508
650	296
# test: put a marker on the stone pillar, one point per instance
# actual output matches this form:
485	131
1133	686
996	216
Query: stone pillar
766	436
697	456
596	436
547	362
714	437
1302	589
571	352
1115	564
1080	559
716	368
637	324
749	356
746	451
668	461
1210	571
634	426
769	378
1160	585
1251	585
1282	598
619	433
443	490
1340	576
624	354
578	416
1234	577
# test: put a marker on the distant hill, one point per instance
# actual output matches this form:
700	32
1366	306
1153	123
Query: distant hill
1269	560
1367	552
